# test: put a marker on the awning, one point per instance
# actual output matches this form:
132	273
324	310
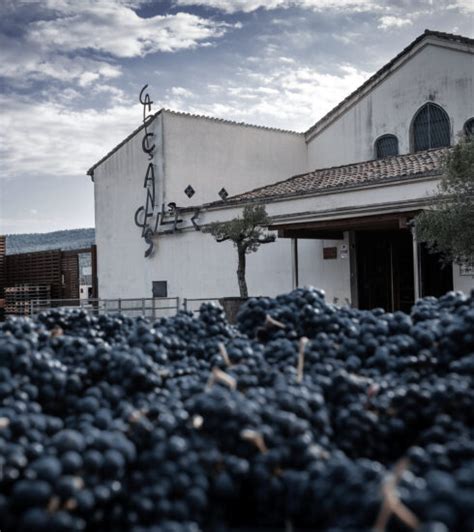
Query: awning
334	229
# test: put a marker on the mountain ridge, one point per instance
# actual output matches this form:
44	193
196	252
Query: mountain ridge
64	239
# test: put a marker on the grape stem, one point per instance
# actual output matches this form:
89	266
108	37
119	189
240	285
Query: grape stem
224	354
217	375
54	504
391	502
256	438
300	367
56	331
272	322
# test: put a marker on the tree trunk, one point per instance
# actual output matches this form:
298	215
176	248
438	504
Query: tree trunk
241	272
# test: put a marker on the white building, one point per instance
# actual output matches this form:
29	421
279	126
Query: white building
340	195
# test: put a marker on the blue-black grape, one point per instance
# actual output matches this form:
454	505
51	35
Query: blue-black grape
188	423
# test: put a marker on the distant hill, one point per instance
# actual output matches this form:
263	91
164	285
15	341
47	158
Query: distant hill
67	239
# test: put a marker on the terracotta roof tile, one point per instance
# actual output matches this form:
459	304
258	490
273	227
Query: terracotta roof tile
347	176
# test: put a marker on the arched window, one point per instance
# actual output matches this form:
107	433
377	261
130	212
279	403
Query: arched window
430	128
385	146
469	128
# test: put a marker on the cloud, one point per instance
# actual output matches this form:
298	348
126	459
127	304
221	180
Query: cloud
233	6
180	92
84	42
390	21
50	139
27	63
290	96
114	28
247	6
61	141
465	6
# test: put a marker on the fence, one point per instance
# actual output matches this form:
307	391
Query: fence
150	307
193	304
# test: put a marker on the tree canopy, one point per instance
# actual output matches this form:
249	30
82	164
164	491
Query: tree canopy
247	233
449	227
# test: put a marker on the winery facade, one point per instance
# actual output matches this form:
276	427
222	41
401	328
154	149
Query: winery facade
340	195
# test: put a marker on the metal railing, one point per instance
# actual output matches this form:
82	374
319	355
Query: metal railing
150	307
193	304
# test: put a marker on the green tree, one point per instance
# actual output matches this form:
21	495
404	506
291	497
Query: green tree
247	233
449	227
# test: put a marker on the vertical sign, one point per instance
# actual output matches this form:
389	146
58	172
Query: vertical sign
144	214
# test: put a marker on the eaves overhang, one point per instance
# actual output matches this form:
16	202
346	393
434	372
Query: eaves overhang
222	205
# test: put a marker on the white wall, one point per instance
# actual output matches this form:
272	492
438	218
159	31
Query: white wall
210	154
332	275
118	192
438	74
465	283
207	154
195	265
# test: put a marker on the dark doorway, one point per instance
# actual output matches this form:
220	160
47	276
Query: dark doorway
385	269
436	276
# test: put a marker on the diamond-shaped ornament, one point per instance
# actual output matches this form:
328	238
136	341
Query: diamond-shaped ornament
223	193
189	191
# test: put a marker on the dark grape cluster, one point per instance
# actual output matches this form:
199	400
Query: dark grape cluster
304	415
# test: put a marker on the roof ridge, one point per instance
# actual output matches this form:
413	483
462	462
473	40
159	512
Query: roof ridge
121	143
387	66
191	115
232	122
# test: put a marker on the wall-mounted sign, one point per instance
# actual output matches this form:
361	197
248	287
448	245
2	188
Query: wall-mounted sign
330	253
343	251
144	214
466	269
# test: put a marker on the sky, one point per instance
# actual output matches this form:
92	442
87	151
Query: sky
71	72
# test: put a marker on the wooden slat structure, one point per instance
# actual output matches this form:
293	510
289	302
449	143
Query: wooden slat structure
18	298
3	251
38	268
52	274
95	280
70	274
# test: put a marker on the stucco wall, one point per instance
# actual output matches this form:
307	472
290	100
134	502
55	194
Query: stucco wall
437	74
465	283
195	265
209	154
332	275
118	192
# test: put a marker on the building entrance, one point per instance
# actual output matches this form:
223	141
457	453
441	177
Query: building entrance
436	276
385	275
381	259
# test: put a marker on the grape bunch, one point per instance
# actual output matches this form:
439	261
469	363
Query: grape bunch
304	415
